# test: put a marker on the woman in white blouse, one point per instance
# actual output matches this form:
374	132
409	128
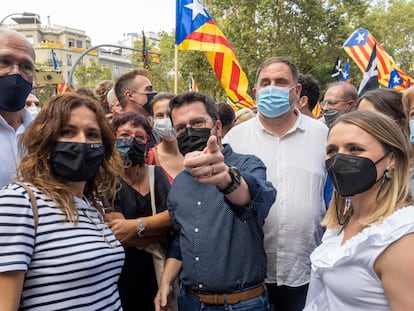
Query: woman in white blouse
365	261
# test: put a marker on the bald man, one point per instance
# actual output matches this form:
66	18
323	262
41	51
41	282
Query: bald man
17	69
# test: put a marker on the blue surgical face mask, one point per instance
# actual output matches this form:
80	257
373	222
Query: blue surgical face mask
412	131
273	101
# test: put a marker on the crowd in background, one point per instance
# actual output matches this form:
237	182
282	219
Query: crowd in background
126	197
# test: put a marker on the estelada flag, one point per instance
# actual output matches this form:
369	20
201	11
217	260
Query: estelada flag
359	46
196	30
192	85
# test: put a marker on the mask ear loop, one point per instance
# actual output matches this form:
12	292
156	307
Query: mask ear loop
346	213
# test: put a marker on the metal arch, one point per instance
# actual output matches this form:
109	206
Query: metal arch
70	78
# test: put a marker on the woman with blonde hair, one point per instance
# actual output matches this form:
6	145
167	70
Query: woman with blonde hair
365	259
57	252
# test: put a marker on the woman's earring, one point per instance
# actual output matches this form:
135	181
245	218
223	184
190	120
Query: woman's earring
389	174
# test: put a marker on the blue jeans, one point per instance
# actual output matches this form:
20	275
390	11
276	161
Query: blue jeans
188	302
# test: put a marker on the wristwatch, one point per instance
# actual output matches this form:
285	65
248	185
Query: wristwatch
141	228
235	180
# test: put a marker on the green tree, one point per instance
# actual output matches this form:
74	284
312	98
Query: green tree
90	76
311	33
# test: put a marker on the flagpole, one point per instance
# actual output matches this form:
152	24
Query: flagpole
176	69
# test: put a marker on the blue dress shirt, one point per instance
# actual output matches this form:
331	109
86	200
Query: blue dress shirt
220	244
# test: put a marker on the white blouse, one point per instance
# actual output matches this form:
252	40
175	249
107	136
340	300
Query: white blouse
343	276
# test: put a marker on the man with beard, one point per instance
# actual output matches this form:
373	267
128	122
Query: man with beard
217	205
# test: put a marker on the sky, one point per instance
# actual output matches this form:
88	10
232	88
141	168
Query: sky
103	21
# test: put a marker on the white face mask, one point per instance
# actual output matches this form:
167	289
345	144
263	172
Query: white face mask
34	111
164	129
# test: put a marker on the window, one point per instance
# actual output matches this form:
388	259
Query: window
68	59
117	72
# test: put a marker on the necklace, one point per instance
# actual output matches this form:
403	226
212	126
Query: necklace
97	228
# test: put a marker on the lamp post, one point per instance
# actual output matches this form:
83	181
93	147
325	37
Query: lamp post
24	14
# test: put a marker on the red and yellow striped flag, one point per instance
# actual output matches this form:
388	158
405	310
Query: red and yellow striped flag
359	46
196	30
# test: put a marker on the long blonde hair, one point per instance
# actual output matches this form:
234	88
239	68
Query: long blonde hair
37	141
395	192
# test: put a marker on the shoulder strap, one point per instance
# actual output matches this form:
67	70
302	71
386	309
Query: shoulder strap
152	192
33	202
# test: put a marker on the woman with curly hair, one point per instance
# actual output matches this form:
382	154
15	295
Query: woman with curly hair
64	256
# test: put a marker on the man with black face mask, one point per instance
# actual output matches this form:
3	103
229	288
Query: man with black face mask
17	71
135	91
217	204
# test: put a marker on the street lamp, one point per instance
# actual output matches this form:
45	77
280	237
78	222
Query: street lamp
24	14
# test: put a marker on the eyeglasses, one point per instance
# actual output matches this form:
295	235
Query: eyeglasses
331	103
140	137
27	70
197	123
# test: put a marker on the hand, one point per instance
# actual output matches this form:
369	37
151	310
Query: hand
123	229
113	215
161	298
208	166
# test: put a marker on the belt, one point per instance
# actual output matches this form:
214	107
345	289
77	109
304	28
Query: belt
220	299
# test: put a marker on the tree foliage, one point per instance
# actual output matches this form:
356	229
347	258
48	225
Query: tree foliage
90	76
309	32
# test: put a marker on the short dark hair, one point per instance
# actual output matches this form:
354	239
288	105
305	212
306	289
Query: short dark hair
293	69
122	84
310	88
387	101
136	119
226	114
187	98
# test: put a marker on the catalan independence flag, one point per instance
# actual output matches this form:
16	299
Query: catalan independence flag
61	88
359	46
196	30
346	74
192	85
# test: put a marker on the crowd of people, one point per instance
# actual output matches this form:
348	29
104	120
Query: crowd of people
124	198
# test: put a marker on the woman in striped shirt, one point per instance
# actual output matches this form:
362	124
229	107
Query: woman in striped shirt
70	260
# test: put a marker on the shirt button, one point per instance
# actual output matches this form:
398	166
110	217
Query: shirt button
197	258
200	285
196	230
198	203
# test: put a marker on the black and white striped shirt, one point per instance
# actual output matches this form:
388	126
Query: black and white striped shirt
68	266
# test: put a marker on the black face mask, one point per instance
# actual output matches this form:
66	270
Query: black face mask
13	92
132	152
193	139
352	174
330	116
76	161
147	106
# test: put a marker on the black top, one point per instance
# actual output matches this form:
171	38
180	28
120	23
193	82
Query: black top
137	283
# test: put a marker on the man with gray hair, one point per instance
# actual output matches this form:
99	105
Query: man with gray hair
17	70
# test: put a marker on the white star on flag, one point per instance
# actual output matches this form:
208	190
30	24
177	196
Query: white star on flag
345	75
197	7
396	80
360	37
